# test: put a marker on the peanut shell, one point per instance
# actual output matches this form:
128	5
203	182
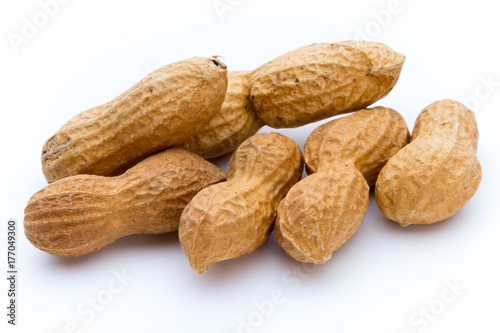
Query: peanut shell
235	122
321	80
233	218
82	214
164	109
433	177
322	211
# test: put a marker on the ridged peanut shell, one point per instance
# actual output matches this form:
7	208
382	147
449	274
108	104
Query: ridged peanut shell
322	211
164	109
434	176
235	122
321	80
81	214
365	139
233	218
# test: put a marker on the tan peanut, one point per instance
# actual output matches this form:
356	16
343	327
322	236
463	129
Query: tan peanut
233	218
434	176
81	214
321	80
305	85
322	211
235	122
164	109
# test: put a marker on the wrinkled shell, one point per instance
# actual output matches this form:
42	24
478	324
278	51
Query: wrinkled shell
164	109
366	139
233	218
235	122
321	80
81	214
322	211
434	176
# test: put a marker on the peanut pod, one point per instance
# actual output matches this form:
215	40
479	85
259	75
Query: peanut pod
81	214
164	109
233	218
322	211
433	177
322	80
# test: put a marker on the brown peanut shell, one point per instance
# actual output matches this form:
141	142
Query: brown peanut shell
81	214
434	176
164	109
235	122
321	80
322	211
233	218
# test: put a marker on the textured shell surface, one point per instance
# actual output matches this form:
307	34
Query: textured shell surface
235	122
164	109
366	139
318	81
233	218
322	211
434	176
81	214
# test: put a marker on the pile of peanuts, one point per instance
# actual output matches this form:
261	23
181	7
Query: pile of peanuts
136	165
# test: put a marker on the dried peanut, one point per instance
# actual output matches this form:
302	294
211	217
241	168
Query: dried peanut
164	109
434	176
235	217
303	86
235	122
81	214
322	211
321	80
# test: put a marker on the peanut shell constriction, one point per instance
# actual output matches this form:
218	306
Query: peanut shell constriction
81	214
233	218
434	176
322	211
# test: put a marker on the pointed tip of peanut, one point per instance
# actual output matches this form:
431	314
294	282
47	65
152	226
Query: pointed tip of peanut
199	267
200	270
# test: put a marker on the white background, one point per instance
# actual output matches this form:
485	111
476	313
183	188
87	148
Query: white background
91	51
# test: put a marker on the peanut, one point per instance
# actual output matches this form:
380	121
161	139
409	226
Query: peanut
164	109
233	218
81	214
235	122
321	80
433	177
305	85
344	157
